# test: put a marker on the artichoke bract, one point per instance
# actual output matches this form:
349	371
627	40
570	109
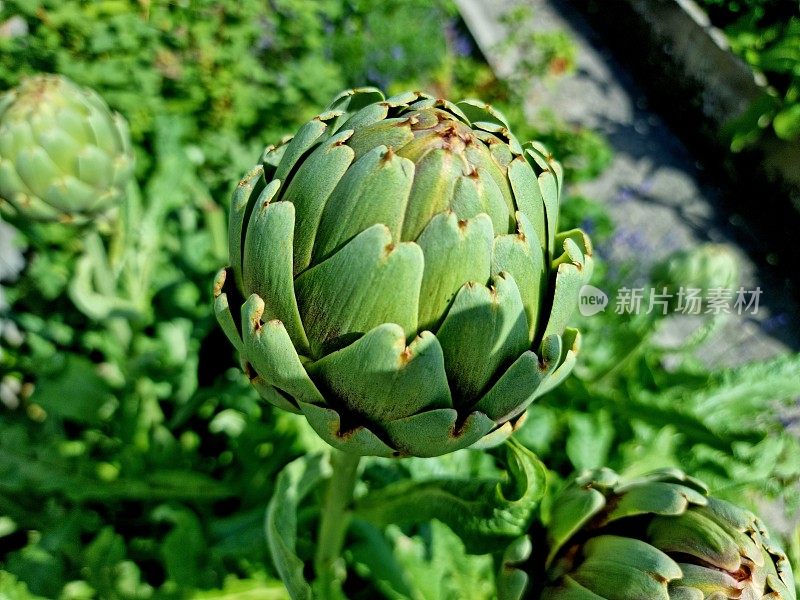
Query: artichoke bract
64	156
396	275
661	537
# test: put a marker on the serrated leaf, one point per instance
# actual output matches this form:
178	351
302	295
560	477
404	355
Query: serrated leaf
737	403
485	513
589	441
431	567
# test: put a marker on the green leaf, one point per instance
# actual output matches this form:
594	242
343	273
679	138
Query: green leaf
480	112
294	483
76	392
707	535
485	513
40	568
512	578
734	404
244	196
372	113
391	133
573	270
529	199
573	510
305	139
657	497
539	158
183	549
438	431
374	558
435	567
25	465
13	589
479	192
589	441
108	570
328	425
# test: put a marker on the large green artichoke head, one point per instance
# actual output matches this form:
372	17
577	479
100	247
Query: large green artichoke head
64	156
657	537
396	275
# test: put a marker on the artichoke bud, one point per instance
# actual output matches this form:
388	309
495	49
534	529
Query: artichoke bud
660	537
397	277
64	156
705	267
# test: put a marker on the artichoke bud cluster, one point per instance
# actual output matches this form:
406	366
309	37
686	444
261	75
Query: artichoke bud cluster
396	275
64	156
660	537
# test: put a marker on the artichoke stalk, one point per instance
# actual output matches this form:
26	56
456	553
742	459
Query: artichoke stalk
657	537
64	156
397	277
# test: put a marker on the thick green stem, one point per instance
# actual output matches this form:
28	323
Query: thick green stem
334	521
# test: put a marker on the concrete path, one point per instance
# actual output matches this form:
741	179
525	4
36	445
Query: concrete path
655	190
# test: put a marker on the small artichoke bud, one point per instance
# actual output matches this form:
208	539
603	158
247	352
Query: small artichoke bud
397	275
660	537
705	267
64	156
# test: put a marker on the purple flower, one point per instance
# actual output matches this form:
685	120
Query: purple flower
624	195
458	40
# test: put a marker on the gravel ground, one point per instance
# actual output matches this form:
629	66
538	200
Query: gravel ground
656	191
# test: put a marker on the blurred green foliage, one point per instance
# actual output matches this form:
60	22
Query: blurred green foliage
766	33
237	72
135	461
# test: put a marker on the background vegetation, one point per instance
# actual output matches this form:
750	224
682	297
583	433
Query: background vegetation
766	34
136	462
